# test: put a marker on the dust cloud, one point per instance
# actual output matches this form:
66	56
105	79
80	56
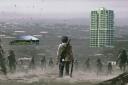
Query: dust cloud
50	77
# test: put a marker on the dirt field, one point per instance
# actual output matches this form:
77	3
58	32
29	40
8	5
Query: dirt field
39	77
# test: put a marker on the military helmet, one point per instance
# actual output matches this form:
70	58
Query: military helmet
64	39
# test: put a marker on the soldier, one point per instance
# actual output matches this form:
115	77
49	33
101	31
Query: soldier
122	60
2	63
51	62
76	64
12	60
64	56
43	62
32	63
109	68
99	66
2	60
87	63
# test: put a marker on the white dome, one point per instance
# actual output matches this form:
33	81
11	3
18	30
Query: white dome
27	37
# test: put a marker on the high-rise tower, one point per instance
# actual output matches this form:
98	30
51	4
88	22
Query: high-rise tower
102	28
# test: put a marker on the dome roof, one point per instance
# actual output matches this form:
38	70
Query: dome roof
26	37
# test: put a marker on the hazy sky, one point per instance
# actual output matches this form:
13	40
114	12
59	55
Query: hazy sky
62	8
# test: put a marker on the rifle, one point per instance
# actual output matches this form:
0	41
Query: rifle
71	68
64	52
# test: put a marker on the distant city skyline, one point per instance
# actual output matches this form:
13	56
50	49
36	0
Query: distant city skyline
62	8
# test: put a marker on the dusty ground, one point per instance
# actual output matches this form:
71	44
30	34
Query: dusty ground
39	77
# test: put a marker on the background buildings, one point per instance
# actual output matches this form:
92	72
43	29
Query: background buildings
102	28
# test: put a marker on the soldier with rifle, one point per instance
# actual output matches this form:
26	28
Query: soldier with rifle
65	57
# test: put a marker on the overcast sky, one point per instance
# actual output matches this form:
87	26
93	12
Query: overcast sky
62	8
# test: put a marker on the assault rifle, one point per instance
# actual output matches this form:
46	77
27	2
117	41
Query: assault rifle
72	62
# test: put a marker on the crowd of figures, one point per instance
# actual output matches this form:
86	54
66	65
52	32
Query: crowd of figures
10	63
43	63
107	67
99	66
